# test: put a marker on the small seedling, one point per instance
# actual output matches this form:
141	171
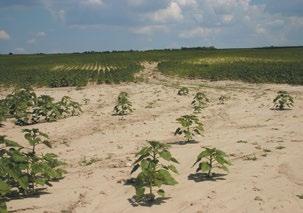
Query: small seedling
258	198
124	106
183	91
258	147
85	101
86	162
280	147
211	156
223	98
190	126
200	101
283	100
242	141
250	157
153	172
35	137
151	104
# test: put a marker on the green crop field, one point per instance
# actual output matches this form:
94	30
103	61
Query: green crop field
265	65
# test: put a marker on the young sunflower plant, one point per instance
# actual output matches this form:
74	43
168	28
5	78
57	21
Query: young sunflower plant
124	105
156	164
283	100
207	159
190	126
200	102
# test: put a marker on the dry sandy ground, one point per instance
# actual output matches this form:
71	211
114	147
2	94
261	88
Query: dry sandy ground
270	183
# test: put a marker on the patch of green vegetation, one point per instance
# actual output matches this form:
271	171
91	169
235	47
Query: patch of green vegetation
62	70
250	65
28	108
275	65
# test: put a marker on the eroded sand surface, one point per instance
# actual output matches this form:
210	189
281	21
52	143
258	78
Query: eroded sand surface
270	183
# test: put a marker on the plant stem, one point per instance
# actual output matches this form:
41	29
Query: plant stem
188	139
210	166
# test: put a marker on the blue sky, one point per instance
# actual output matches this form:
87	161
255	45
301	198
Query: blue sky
31	26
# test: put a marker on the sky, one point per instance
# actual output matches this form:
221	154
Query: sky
55	26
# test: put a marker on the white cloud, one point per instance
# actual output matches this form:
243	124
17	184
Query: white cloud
149	29
227	18
135	2
60	15
199	32
4	35
36	37
41	34
187	2
172	13
260	29
20	50
31	41
92	3
54	11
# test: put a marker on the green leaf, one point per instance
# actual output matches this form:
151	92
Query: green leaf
203	154
178	131
140	191
224	168
173	169
3	207
174	160
219	159
141	157
165	155
204	166
135	168
47	143
4	188
41	181
166	177
161	192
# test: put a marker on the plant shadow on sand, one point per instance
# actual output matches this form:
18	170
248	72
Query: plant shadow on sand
147	203
143	202
280	110
199	177
183	142
36	194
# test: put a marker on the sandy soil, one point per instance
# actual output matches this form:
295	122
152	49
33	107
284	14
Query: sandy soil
270	183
